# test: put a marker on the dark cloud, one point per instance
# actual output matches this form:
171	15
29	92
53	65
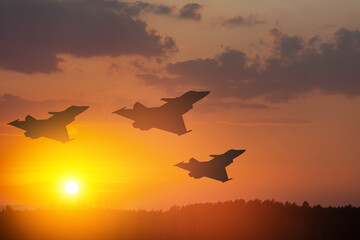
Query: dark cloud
191	11
288	46
34	32
136	8
139	65
250	20
295	68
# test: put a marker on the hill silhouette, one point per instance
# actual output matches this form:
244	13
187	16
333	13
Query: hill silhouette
238	219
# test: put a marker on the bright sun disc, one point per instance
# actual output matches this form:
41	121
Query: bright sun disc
71	187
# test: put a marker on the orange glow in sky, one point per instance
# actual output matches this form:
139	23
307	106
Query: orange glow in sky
282	88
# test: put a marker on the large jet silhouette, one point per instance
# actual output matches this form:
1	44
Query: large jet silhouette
215	168
53	127
167	117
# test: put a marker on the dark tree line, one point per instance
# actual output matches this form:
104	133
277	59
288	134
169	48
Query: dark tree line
252	220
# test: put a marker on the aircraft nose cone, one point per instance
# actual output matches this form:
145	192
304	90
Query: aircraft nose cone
195	95
13	122
180	164
81	109
237	152
204	93
120	111
76	110
240	151
201	94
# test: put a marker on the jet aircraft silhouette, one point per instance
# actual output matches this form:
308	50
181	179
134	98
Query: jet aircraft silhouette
215	168
167	117
53	127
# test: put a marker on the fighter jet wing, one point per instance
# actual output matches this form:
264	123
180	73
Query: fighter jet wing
219	174
58	134
172	123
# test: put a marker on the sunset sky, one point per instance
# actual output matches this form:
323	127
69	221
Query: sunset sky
284	78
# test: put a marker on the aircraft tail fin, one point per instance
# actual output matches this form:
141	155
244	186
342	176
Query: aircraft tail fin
138	105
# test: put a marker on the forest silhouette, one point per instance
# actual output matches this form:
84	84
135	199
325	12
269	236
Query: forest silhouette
237	219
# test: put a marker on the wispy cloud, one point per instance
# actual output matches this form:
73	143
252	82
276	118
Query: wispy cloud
250	20
191	11
270	122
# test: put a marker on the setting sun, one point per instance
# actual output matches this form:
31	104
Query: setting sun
165	119
71	187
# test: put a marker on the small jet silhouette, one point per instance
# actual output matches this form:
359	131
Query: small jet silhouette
215	168
167	117
53	127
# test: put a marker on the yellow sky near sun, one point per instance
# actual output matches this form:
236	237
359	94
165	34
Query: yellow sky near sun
119	166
